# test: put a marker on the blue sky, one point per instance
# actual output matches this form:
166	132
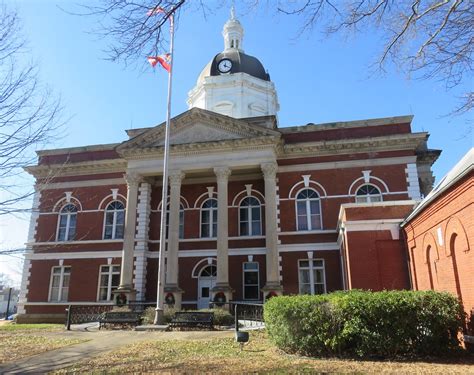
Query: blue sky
317	79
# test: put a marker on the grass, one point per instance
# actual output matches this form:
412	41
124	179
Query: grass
18	341
31	327
223	355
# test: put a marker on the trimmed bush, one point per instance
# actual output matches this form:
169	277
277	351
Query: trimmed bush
221	317
384	324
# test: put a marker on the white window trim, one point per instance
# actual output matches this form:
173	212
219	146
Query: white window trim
311	275
249	212
243	281
68	222
114	222
109	281
211	231
61	282
368	196
308	210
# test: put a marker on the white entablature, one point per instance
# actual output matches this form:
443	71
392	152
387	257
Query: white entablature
242	90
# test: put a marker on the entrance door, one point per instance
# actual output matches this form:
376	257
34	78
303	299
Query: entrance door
207	280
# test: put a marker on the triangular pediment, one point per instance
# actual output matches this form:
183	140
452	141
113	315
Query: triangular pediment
198	126
198	133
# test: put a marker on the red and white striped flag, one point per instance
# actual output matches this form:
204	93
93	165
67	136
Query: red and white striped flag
155	11
164	61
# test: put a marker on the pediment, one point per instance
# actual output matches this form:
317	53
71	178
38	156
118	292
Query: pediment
199	133
198	126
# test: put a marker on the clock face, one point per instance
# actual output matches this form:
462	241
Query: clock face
224	66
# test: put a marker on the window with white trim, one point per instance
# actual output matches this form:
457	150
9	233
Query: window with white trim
59	284
368	193
114	221
308	210
250	217
251	281
312	276
67	223
181	221
109	280
209	218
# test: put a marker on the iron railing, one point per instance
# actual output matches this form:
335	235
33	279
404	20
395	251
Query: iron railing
249	315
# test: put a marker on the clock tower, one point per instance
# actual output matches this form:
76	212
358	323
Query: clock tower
233	83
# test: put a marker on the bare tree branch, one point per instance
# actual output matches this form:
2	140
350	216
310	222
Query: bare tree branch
29	114
428	39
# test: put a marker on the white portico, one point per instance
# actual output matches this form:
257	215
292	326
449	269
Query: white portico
243	148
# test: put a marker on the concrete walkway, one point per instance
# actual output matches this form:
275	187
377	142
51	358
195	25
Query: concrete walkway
100	342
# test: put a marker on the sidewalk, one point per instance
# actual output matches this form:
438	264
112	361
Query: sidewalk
99	343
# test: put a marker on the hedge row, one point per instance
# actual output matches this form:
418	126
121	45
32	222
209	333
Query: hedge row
366	324
221	317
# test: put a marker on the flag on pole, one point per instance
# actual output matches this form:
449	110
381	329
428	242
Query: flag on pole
164	61
155	11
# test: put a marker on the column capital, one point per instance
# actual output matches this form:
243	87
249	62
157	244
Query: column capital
133	178
269	170
175	177
222	173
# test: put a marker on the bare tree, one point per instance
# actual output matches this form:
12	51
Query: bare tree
430	39
134	29
29	115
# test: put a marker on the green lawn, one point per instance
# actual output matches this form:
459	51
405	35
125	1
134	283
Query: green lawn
223	355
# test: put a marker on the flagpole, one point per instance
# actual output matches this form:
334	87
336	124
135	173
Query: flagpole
159	317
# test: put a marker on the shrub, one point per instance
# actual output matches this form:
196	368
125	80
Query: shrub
221	317
366	324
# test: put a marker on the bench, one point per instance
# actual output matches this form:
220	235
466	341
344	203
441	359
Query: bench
193	319
119	317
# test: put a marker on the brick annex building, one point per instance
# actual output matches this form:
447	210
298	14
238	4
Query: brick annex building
255	208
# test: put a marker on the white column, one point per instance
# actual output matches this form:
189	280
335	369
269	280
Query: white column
222	284
126	275
271	233
142	235
175	178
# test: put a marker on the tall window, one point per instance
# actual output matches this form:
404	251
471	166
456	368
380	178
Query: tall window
250	217
114	221
181	221
59	286
308	210
209	218
109	280
368	193
67	223
251	281
312	277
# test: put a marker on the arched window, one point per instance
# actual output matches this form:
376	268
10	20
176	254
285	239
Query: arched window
209	271
250	217
67	223
308	210
181	221
114	221
368	193
209	218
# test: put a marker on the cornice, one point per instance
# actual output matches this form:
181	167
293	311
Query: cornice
311	127
77	169
385	143
190	149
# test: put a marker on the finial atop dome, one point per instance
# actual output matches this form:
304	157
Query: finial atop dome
233	32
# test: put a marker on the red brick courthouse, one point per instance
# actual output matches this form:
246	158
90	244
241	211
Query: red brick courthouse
255	208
